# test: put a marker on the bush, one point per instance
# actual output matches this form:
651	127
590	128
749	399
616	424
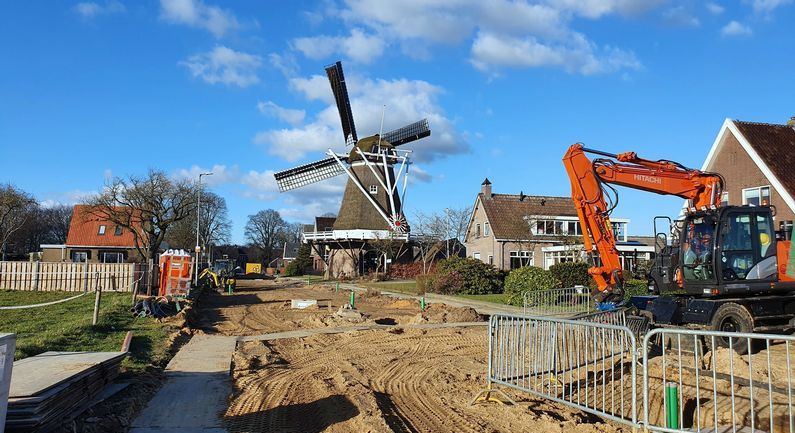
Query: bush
408	271
301	264
526	279
635	287
457	275
571	274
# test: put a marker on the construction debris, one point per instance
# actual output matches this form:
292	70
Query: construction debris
158	308
49	388
300	304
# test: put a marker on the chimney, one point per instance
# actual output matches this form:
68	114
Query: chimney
485	188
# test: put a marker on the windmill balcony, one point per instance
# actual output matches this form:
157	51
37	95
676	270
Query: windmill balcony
359	234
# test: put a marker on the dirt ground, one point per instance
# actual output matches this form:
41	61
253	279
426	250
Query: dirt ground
396	380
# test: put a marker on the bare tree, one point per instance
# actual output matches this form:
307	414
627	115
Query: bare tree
291	233
146	206
386	247
449	224
263	230
15	207
214	225
58	218
426	237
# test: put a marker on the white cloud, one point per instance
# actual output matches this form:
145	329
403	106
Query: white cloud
679	16
195	13
285	64
91	9
577	55
224	65
714	8
289	115
735	28
304	203
68	198
406	101
543	28
767	6
359	46
418	174
221	174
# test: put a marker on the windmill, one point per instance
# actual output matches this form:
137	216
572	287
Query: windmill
374	193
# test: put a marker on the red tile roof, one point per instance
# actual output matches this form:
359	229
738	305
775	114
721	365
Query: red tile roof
84	231
507	212
775	144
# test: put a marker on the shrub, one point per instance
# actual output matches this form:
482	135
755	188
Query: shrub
408	271
302	262
526	279
457	275
635	287
571	274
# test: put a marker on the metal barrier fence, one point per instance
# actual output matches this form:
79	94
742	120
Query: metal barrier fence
588	365
689	389
7	348
637	324
692	381
558	301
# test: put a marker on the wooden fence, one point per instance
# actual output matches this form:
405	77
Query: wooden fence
70	277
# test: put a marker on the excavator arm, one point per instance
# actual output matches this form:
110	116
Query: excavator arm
588	181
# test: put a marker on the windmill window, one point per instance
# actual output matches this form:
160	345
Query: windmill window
373	189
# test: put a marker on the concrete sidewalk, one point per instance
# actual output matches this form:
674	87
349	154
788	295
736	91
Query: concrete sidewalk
196	389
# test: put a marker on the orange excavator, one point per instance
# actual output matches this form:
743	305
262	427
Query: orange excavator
726	264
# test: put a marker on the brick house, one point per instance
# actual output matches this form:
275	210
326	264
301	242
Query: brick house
514	230
93	240
757	161
322	224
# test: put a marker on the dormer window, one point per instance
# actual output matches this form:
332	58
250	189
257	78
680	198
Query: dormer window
117	232
101	230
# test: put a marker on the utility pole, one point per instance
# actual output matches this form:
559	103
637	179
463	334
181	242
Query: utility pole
447	231
198	216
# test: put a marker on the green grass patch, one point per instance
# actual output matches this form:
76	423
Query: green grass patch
404	286
496	298
67	326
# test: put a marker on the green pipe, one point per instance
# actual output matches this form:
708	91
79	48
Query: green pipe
337	289
422	303
672	405
353	300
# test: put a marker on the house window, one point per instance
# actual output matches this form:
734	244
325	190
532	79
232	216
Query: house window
620	231
556	227
759	196
477	230
724	198
79	256
111	257
101	230
476	256
491	259
555	257
521	258
485	229
374	189
117	232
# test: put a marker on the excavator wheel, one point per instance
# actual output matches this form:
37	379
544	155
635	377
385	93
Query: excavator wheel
731	317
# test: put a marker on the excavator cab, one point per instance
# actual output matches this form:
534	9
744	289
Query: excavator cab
726	251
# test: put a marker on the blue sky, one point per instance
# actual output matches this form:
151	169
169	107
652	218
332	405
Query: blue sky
90	90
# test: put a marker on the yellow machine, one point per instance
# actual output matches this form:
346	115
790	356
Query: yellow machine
253	268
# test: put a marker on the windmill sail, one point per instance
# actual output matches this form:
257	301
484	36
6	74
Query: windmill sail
337	80
408	133
307	174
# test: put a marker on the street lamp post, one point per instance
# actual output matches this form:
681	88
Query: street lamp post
198	216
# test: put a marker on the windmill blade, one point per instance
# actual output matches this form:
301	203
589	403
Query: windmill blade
337	80
307	174
408	133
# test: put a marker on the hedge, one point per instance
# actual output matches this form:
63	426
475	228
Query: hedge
571	274
528	278
458	275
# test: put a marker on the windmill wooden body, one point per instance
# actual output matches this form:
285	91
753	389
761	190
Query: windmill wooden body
372	204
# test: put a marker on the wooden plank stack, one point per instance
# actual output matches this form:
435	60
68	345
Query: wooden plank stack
49	388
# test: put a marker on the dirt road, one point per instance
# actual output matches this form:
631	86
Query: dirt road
399	380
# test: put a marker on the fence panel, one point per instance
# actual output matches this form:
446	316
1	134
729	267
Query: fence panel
590	366
69	277
7	348
721	390
565	301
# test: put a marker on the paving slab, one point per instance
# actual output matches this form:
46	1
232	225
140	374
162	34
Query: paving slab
195	394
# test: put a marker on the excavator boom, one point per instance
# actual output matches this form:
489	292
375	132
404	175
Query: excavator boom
588	181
